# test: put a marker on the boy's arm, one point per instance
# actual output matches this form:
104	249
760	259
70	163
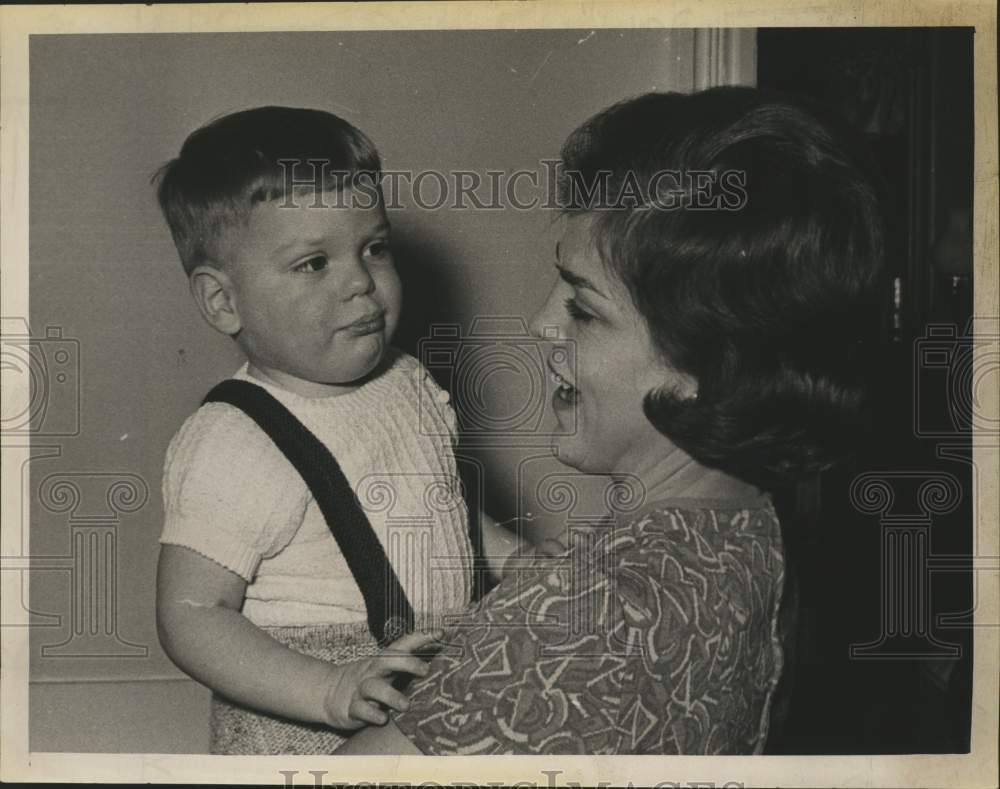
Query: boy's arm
202	630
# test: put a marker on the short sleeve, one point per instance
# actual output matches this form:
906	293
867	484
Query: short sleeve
531	670
228	492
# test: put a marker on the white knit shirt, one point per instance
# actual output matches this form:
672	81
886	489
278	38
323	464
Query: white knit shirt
230	495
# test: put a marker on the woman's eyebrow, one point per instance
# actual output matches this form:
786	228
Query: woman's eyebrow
577	280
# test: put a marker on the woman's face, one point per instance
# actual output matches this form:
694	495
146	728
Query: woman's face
601	362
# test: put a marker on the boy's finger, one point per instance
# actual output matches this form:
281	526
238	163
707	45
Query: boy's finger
381	691
407	664
413	641
366	712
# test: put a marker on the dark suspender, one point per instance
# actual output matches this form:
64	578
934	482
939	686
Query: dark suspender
389	611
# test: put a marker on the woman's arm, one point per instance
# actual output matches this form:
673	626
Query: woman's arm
516	675
667	651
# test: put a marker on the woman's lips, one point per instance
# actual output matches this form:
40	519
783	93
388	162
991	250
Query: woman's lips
565	394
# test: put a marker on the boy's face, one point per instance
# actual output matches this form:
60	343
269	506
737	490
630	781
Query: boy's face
316	291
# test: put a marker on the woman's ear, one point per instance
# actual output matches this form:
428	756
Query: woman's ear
661	378
215	296
687	388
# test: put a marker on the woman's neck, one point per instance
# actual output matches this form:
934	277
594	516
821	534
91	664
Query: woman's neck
679	476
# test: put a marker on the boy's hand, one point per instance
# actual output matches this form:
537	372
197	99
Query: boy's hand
359	691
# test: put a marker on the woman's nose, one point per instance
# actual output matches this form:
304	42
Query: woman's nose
545	324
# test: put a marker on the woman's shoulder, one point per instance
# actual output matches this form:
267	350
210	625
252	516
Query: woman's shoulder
702	524
731	554
708	582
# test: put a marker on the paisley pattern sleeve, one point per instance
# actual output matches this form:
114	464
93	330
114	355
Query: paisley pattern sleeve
663	641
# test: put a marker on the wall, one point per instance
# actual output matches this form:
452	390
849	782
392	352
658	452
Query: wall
106	111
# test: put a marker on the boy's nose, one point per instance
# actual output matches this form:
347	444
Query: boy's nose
357	282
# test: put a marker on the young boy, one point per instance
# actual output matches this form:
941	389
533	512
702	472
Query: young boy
278	221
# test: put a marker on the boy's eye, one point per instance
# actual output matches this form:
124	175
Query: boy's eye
377	249
576	312
312	265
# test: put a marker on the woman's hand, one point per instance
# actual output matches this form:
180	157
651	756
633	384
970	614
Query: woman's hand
505	551
547	548
499	543
359	692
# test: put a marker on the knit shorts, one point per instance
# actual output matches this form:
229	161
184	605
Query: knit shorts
236	729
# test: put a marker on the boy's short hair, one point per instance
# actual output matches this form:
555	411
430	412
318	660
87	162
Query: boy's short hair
770	299
228	166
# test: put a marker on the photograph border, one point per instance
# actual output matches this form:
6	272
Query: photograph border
978	768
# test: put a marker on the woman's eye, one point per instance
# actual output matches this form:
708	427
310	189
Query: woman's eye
312	265
576	313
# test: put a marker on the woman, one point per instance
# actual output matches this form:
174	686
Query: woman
719	269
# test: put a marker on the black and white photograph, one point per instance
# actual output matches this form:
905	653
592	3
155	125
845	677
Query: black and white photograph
405	380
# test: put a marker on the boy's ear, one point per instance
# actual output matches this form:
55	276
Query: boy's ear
215	296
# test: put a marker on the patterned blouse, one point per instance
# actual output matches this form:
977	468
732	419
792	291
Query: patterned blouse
658	635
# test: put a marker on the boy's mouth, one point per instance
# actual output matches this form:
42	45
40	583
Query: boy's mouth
370	324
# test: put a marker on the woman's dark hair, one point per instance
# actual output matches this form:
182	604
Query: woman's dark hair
748	232
230	165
